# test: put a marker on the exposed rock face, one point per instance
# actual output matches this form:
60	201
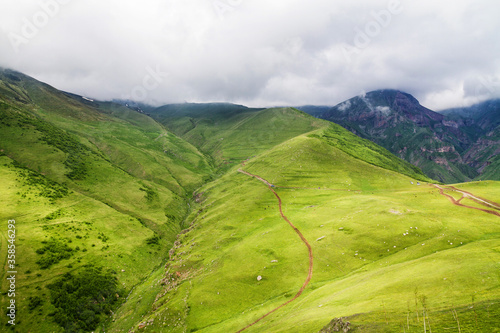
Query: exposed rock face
482	122
452	146
337	325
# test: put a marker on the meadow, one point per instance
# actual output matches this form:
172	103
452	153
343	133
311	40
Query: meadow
88	184
387	253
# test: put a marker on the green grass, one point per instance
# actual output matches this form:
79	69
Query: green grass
87	183
93	231
233	135
385	249
487	189
384	239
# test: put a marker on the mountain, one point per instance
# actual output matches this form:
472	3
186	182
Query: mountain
314	110
383	250
230	133
88	183
482	122
443	145
217	217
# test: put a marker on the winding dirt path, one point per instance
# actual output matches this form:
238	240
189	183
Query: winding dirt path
465	194
311	258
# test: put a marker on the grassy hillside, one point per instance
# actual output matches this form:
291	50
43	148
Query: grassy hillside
384	251
60	231
130	223
87	183
231	133
367	151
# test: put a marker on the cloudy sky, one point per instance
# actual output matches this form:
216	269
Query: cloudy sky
256	52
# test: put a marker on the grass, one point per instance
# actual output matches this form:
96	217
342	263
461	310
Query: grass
87	184
93	231
487	189
376	241
188	257
232	135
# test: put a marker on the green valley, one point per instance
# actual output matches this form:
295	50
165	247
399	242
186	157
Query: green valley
207	217
87	183
385	251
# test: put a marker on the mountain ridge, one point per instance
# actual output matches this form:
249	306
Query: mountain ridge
453	145
442	144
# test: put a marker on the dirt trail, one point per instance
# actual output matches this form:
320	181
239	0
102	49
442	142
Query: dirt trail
295	187
465	194
317	188
311	258
480	200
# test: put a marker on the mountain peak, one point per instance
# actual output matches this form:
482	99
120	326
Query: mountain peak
380	107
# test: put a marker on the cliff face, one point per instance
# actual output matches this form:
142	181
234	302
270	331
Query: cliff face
482	122
451	146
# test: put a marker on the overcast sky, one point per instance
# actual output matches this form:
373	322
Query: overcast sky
257	52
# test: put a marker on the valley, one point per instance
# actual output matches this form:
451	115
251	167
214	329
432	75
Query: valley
222	218
364	250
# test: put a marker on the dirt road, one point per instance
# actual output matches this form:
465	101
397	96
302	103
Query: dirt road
465	194
311	257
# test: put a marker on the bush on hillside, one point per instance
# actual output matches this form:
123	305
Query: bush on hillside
77	154
47	188
83	299
53	252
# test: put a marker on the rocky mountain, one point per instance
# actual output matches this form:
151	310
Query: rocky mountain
482	122
452	146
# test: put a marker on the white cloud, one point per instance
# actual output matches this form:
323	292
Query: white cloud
344	106
385	110
259	52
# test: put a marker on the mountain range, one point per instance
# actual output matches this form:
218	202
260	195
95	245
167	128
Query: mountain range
218	217
451	146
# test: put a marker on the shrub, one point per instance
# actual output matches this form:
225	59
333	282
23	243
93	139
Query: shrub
154	240
53	252
151	195
34	302
46	187
82	300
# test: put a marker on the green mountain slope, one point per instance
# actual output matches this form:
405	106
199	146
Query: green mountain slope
367	151
87	183
384	250
233	133
126	222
